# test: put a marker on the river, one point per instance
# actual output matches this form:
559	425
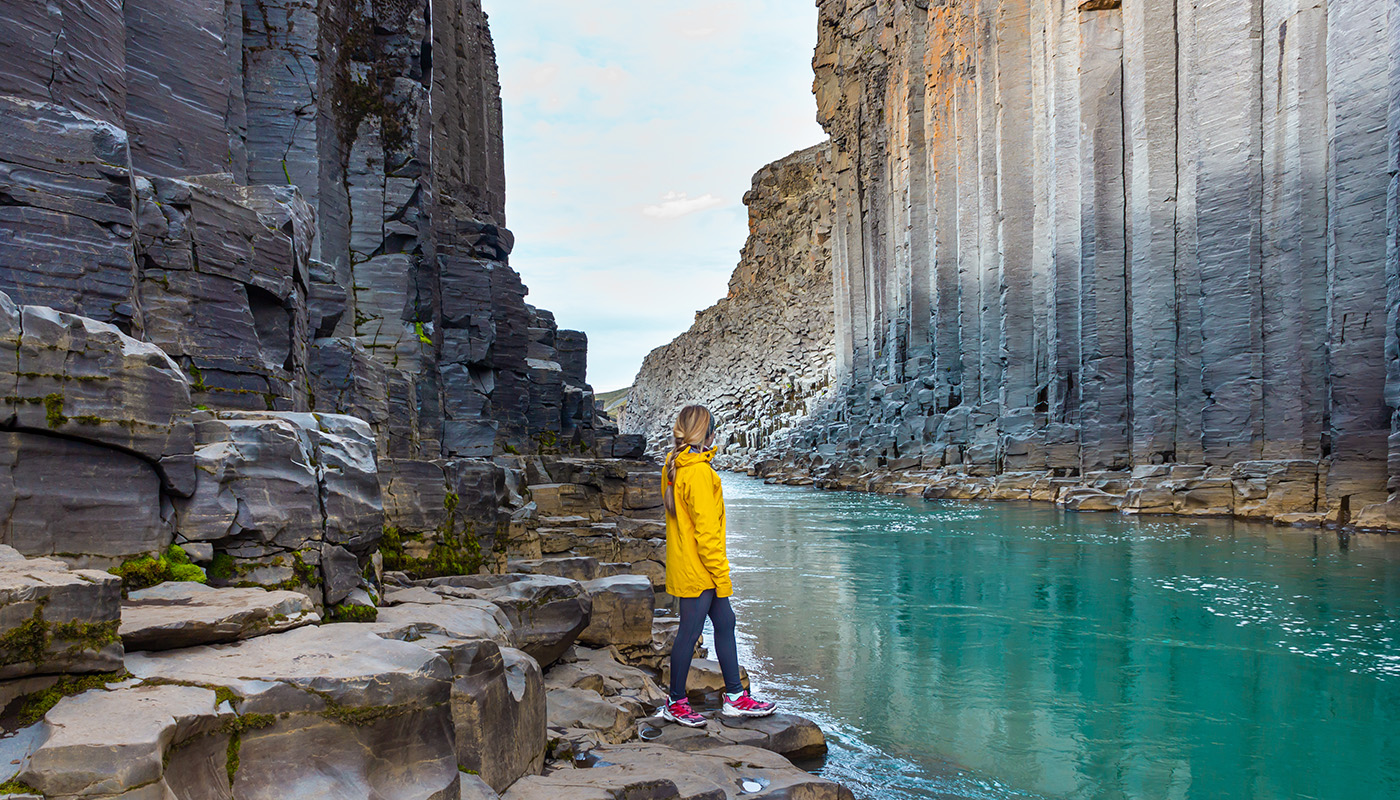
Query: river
1012	650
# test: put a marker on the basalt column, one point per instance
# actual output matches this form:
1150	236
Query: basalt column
1118	238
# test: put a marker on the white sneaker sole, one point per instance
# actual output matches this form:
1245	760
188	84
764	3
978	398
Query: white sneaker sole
734	712
666	715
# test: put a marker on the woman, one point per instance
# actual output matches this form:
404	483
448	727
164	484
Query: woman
697	567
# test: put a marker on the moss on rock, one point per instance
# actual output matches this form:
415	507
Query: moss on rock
145	571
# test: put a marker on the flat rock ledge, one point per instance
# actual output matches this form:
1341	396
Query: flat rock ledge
184	614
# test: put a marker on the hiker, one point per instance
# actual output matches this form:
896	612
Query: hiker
697	567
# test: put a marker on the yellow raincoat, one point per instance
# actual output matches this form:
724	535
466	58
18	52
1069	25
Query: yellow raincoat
695	547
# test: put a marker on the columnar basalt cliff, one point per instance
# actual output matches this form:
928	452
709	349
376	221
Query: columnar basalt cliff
1133	255
761	358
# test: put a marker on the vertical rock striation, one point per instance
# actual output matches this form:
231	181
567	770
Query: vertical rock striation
1140	247
761	358
283	207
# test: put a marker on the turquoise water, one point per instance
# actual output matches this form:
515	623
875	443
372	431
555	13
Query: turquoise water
1009	650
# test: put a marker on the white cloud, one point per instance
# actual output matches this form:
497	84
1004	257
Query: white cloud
679	204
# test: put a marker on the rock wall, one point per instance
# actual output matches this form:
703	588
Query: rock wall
1118	241
761	358
256	251
301	201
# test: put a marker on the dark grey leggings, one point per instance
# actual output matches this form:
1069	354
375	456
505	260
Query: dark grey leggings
694	610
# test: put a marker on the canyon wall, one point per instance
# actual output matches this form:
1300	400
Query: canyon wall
1143	248
301	201
220	218
760	358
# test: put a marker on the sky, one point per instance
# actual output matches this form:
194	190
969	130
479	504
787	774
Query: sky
632	130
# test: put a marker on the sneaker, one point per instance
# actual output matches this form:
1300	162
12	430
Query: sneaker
742	705
681	713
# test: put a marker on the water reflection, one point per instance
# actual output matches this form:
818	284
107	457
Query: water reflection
1011	650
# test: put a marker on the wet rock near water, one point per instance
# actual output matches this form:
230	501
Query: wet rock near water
659	772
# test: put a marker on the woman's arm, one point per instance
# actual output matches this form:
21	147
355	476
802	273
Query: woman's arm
705	510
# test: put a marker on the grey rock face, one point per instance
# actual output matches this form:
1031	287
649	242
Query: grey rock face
67	218
297	203
375	711
58	619
498	712
223	287
185	614
70	497
546	613
622	610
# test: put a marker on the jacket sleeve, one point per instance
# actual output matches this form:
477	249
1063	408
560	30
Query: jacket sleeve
709	537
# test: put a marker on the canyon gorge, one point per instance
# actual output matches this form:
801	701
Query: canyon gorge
300	497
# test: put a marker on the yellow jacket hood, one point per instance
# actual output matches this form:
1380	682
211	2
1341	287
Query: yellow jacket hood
686	458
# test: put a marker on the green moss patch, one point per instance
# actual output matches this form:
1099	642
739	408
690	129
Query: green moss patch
33	707
345	612
145	571
53	410
453	552
36	639
360	716
235	728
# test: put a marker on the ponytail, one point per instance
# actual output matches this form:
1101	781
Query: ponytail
693	426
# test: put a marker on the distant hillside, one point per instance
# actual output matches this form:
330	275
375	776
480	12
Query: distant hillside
614	401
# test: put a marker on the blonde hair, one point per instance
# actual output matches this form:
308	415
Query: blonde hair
693	426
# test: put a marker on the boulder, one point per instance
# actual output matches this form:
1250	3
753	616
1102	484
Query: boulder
575	568
56	619
796	738
445	622
611	717
108	742
498	712
601	672
340	570
546	613
185	614
85	379
334	711
622	610
256	483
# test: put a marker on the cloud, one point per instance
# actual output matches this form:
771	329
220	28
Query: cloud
679	204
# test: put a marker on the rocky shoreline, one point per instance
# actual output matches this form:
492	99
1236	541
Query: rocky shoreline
537	681
1285	492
